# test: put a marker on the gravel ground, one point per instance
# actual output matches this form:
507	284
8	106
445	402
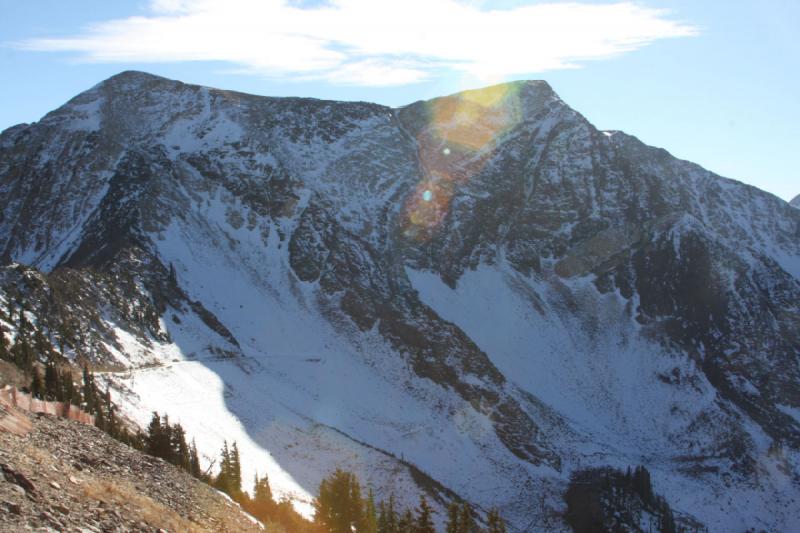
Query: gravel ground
71	477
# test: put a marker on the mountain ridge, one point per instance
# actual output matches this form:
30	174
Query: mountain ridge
374	242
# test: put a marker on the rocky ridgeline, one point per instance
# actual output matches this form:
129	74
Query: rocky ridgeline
550	296
68	476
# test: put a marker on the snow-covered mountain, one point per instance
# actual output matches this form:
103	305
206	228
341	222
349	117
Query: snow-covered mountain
476	296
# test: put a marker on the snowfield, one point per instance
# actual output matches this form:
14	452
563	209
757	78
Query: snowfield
464	299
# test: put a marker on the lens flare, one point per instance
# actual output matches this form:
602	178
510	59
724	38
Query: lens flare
457	139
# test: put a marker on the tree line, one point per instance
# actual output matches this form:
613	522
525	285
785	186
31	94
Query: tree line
51	375
339	506
608	499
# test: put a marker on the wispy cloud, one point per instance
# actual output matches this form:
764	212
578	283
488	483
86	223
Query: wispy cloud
372	42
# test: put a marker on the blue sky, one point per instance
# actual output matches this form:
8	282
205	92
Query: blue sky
715	82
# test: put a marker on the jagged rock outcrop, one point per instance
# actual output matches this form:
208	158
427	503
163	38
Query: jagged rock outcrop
482	284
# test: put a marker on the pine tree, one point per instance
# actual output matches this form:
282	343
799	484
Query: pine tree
339	507
668	521
387	523
261	489
68	393
22	354
165	443
370	515
642	485
194	461
41	345
453	515
37	384
262	506
112	426
89	392
99	418
23	326
356	505
223	481
52	382
466	522
180	450
154	435
5	354
424	520
236	470
382	517
495	522
406	523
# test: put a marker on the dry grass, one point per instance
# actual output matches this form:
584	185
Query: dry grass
123	495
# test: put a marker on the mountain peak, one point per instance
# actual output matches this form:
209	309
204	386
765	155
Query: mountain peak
796	201
127	76
134	78
523	89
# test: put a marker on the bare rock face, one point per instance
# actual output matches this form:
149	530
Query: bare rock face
69	476
490	288
796	201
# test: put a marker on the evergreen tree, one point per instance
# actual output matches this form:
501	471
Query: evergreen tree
668	521
387	520
356	505
466	522
180	449
37	384
382	517
235	471
41	344
5	354
23	326
154	435
394	518
99	418
262	506
89	391
22	355
165	443
642	485
339	507
52	382
224	481
68	393
194	461
453	515
406	522
112	425
261	489
424	520
370	515
495	522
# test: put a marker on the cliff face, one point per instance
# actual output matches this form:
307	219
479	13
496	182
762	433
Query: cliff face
482	285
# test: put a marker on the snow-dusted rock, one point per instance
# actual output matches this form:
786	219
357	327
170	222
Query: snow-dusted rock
476	295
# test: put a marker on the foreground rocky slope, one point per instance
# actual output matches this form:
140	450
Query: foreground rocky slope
476	295
68	476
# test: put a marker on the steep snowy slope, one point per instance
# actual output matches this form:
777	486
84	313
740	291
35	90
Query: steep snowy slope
474	296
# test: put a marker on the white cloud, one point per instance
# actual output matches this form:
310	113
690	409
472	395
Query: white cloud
372	42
